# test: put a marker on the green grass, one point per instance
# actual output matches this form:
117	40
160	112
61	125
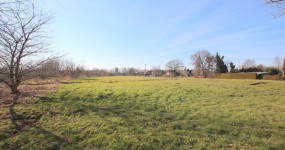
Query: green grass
152	113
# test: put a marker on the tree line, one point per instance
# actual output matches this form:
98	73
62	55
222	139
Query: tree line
207	65
25	52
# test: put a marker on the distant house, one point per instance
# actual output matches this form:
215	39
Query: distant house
174	73
187	73
171	73
148	73
166	74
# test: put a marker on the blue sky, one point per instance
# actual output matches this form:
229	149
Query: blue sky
135	33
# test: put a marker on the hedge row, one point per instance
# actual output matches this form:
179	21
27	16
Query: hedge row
237	76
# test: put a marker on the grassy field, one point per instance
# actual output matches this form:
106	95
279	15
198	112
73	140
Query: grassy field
150	113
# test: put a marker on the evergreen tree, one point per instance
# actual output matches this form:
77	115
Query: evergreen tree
232	66
220	64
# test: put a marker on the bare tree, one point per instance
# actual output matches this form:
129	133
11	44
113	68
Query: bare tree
278	62
98	72
4	6
280	4
248	63
156	71
131	71
175	64
203	62
51	68
23	43
68	66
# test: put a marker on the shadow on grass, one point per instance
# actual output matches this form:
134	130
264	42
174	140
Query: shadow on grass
126	113
121	106
130	113
46	99
25	128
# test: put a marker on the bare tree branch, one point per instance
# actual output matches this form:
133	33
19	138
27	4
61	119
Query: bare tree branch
23	43
204	63
174	64
280	4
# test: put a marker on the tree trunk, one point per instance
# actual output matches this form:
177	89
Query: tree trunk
15	92
15	98
14	89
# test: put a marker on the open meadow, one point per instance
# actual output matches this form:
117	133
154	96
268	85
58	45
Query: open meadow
149	113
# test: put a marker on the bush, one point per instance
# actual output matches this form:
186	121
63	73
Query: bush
273	71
